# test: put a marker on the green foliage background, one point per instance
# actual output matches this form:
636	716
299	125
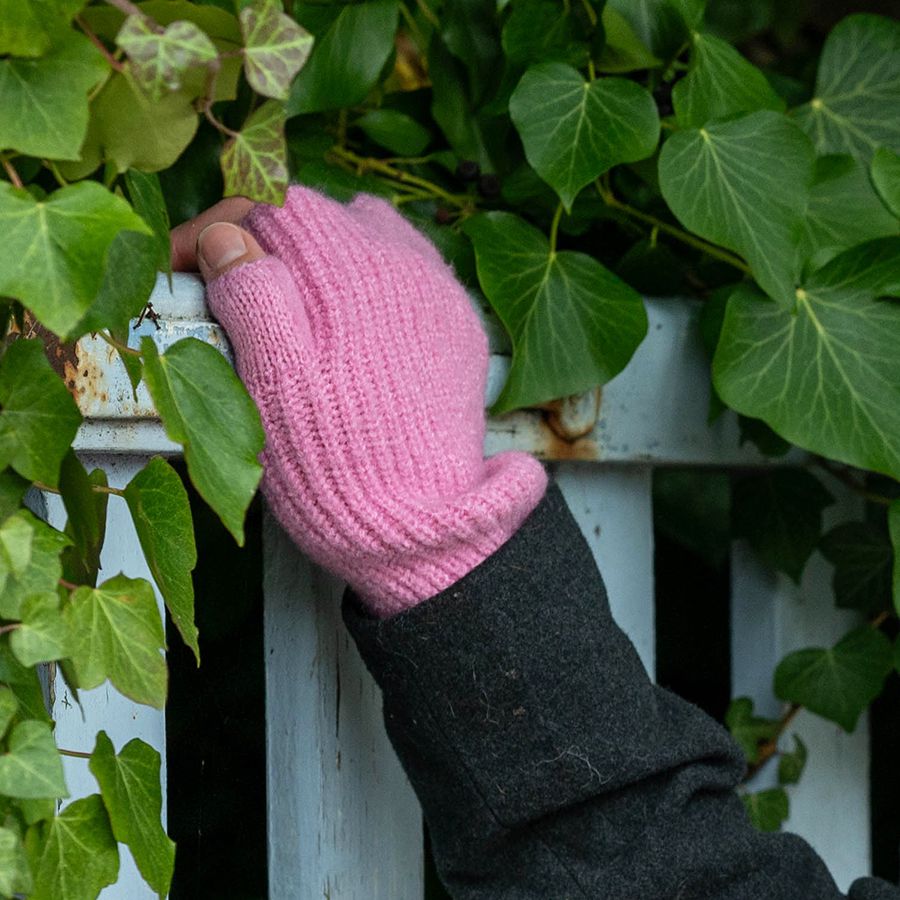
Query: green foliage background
568	157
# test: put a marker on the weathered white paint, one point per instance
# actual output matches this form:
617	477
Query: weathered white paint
104	708
771	617
613	507
344	822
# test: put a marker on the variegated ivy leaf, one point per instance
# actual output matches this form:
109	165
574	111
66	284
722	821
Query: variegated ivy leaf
254	161
275	48
159	58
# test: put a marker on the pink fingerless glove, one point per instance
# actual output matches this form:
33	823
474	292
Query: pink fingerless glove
368	365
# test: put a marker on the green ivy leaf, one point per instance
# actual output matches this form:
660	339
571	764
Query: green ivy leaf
573	323
792	763
720	83
42	572
16	535
42	635
161	513
9	706
767	809
862	559
743	184
885	173
159	58
856	106
86	524
54	251
275	48
574	131
748	730
661	24
894	531
25	686
45	101
843	211
31	767
254	161
145	193
469	31
837	683
117	634
130	787
537	31
28	29
135	132
347	58
39	418
780	513
80	856
843	401
12	491
623	50
400	133
205	408
15	876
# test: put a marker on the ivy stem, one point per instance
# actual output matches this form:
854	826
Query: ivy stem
127	7
51	165
68	585
12	173
4	629
96	488
363	164
592	72
685	237
768	749
122	348
92	37
554	228
591	14
844	476
78	754
428	12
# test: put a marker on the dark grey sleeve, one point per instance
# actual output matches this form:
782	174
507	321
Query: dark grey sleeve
547	764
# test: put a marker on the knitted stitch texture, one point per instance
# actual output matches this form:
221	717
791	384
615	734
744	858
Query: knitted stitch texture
368	365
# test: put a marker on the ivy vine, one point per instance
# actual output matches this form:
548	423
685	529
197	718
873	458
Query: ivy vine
568	157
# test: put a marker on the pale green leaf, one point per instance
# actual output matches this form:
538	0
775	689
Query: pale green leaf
80	856
205	408
39	418
54	251
161	513
15	876
160	57
347	59
780	513
767	809
45	100
623	50
840	682
792	763
117	634
856	104
275	48
135	132
885	174
574	130
130	787
43	634
31	766
720	83
43	570
28	28
573	324
826	375
843	211
16	535
744	184
254	161
9	706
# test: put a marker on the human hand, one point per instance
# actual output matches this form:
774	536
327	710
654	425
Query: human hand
368	365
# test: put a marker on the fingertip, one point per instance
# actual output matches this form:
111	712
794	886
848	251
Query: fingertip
222	247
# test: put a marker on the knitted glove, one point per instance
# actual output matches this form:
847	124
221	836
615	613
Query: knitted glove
368	365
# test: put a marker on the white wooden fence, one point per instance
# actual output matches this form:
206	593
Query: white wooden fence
343	821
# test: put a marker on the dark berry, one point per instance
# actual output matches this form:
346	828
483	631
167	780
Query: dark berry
468	170
443	216
489	186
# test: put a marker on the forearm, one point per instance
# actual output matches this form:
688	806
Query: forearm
546	762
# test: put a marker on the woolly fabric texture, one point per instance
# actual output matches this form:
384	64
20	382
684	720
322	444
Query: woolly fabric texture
368	365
